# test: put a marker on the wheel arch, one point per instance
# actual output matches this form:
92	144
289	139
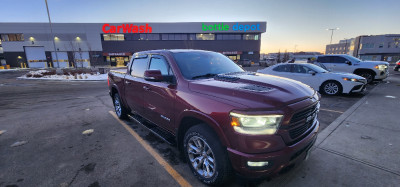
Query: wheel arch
331	80
191	118
359	70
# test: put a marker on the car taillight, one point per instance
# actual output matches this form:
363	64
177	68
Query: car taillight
398	63
108	81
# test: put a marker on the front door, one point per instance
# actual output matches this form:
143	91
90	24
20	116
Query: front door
301	73
159	96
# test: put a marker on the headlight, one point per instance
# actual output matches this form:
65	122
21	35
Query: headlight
381	67
352	79
255	124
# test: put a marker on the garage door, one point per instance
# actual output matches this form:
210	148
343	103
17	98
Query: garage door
36	57
82	59
62	59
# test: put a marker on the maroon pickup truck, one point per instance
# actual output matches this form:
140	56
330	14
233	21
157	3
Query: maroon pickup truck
222	118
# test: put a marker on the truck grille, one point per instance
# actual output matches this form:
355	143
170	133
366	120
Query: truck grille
308	115
304	114
298	131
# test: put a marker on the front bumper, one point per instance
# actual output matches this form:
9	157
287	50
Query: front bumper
278	161
380	75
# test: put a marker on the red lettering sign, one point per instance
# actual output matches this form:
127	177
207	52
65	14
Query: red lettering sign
127	28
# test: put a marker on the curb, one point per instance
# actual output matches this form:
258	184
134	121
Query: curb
324	134
62	80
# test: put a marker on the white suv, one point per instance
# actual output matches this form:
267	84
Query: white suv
371	70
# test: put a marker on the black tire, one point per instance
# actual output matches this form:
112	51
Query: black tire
119	108
221	164
331	88
367	75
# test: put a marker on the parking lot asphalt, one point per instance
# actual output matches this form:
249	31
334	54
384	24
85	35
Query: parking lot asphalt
42	142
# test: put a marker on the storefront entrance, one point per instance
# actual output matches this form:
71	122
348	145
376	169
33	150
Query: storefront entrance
117	59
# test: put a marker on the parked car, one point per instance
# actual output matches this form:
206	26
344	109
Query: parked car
371	70
222	118
244	62
267	62
397	66
326	82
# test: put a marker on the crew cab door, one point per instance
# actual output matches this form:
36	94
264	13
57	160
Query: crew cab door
339	64
159	96
134	84
326	61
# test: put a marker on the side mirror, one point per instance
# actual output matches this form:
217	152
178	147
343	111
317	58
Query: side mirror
153	75
312	72
348	63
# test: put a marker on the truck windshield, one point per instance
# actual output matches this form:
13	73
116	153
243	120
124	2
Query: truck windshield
200	64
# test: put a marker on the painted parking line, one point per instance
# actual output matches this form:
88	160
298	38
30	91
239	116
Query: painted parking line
178	178
331	110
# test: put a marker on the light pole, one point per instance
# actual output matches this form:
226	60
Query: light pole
58	70
332	32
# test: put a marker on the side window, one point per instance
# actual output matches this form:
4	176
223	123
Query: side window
338	60
282	68
139	65
323	59
157	63
300	69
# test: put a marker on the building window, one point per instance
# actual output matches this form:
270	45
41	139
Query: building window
229	36
113	37
149	37
192	36
389	44
381	45
12	37
368	45
250	37
205	36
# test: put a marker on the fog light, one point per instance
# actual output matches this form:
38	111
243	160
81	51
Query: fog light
257	164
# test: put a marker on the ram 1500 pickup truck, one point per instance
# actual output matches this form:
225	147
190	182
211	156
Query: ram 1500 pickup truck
222	118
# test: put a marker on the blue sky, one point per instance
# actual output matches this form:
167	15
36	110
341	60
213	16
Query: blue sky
289	22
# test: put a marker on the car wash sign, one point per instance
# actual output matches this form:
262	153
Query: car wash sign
127	28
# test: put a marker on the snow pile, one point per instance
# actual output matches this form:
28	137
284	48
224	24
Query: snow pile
47	75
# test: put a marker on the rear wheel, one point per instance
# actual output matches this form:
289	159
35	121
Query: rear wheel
331	88
119	108
205	155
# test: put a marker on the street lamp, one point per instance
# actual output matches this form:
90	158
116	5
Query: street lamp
332	32
58	70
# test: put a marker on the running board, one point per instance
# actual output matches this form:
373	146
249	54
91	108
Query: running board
159	132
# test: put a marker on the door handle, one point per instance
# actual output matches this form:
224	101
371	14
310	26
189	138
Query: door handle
146	88
127	82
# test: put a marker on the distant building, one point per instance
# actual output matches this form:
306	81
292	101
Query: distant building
343	47
298	55
373	47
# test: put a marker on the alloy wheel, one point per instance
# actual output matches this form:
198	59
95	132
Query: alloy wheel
201	157
117	106
331	88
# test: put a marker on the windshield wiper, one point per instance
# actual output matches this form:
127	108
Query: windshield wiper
208	75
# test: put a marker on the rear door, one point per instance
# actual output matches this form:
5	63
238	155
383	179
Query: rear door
326	61
159	97
134	82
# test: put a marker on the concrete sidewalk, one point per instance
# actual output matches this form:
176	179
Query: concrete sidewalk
360	148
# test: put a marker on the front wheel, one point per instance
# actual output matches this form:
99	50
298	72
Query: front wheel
119	108
205	155
331	88
367	75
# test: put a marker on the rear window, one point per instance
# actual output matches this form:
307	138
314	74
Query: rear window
282	68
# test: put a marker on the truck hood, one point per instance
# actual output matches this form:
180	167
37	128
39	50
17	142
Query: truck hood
254	90
375	62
